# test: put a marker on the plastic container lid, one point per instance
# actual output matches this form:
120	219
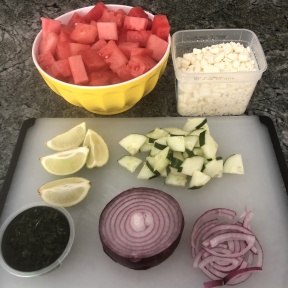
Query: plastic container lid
54	264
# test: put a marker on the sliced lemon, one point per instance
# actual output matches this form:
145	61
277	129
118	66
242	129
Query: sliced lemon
98	150
65	162
68	140
65	192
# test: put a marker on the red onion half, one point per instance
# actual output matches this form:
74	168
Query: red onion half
225	248
141	227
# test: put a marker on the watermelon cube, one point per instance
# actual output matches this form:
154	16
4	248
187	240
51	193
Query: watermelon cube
63	37
78	70
49	43
63	51
137	11
99	44
45	60
139	51
103	78
84	33
123	73
139	65
107	30
92	61
60	69
95	13
135	23
139	36
158	47
76	18
160	26
113	55
127	46
75	48
50	25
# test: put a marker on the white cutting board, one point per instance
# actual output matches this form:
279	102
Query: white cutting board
261	189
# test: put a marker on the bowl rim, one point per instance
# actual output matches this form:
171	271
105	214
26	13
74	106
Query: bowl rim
115	6
54	264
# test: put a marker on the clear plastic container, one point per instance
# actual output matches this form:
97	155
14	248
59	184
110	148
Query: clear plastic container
216	93
16	218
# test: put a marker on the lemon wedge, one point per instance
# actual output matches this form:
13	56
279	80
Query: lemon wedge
98	150
68	140
65	162
65	192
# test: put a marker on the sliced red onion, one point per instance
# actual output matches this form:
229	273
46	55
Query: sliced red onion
141	227
225	248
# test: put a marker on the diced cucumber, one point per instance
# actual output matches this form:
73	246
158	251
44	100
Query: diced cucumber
208	145
190	165
156	134
154	151
176	159
162	160
214	168
190	141
130	162
146	173
146	147
194	123
198	180
234	164
198	151
176	180
161	143
176	143
176	172
178	132
133	142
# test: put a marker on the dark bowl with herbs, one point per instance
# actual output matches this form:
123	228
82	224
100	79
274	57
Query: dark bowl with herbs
35	239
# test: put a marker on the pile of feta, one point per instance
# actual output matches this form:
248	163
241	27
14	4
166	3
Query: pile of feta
216	97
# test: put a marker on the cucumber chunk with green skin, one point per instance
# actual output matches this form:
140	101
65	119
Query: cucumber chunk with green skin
190	141
194	123
192	164
133	142
214	168
129	162
178	132
156	134
162	160
208	145
146	173
234	164
176	180
146	147
161	143
176	143
177	159
198	180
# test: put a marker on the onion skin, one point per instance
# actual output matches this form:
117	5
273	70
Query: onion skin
141	227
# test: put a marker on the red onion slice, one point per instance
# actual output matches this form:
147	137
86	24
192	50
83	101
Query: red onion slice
225	248
141	227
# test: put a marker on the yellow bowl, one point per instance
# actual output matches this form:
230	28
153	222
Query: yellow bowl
105	100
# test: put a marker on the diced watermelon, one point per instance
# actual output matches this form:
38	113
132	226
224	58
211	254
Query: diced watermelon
95	13
93	23
50	25
123	73
45	60
75	48
63	50
160	26
139	65
84	33
67	29
99	44
122	35
137	11
63	37
139	36
103	78
76	18
119	18
60	69
107	30
127	46
135	23
113	55
158	46
49	43
139	51
92	61
78	70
